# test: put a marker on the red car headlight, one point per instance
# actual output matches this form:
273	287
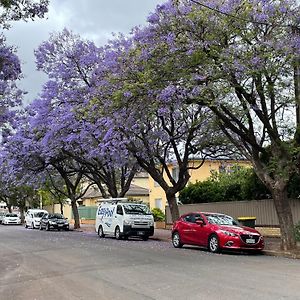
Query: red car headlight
229	233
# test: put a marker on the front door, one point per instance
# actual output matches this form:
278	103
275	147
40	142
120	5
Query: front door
118	218
198	230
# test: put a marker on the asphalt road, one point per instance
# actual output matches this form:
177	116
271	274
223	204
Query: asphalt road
76	265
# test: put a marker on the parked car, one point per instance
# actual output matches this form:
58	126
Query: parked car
123	219
216	232
33	217
11	218
54	221
2	215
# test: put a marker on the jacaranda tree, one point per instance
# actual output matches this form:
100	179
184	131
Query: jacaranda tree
241	56
148	112
72	64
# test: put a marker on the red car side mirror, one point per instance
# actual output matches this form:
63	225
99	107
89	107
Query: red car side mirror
200	222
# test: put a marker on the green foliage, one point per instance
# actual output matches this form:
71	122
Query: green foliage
294	187
158	214
239	184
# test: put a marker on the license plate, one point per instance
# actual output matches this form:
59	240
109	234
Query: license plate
140	233
250	241
60	225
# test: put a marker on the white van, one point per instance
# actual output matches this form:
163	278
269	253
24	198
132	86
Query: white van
33	217
123	219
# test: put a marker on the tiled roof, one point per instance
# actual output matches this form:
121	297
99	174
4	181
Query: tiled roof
134	190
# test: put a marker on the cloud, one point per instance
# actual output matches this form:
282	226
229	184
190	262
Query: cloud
93	19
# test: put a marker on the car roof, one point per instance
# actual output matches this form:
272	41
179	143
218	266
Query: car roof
120	203
203	213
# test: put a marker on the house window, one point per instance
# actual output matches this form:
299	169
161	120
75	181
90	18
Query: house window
175	173
158	203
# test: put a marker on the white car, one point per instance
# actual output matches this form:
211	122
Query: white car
33	218
2	215
11	218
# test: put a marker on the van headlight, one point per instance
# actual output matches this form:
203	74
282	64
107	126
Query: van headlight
151	223
128	222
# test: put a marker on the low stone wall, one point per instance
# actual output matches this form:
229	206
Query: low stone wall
83	221
269	231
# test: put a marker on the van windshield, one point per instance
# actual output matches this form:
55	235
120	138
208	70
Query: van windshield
133	209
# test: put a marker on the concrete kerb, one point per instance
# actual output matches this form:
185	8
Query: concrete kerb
165	235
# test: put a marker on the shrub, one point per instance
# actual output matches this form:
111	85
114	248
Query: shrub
239	184
158	214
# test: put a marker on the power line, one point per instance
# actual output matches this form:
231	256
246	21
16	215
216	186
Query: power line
235	16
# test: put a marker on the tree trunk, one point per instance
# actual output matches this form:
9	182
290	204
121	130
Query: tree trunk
284	213
173	206
9	208
61	208
75	214
21	209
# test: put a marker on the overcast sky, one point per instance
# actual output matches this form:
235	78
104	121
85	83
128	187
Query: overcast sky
92	19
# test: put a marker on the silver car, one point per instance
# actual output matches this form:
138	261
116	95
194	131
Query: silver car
11	218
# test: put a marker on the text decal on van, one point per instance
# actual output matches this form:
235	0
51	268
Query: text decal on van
106	212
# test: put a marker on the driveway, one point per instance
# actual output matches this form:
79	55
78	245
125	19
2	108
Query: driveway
78	265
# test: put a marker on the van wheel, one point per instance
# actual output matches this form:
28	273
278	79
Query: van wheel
26	225
145	238
118	233
32	225
100	232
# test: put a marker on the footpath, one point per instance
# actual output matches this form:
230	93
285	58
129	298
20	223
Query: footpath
272	244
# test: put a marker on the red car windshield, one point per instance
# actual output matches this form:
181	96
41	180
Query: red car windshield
221	220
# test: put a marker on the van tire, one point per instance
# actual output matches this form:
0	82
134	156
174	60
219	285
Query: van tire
32	225
26	225
118	233
145	238
100	232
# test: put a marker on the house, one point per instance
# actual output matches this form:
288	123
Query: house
157	197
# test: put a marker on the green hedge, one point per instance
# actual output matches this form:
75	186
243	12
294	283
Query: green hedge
239	184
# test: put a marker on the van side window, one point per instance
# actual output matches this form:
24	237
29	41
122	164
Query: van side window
119	210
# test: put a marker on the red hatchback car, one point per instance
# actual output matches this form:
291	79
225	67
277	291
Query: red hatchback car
216	232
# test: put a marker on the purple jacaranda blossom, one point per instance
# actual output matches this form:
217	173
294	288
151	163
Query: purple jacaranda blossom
22	10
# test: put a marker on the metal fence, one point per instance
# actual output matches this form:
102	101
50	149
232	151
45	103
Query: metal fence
87	212
263	210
